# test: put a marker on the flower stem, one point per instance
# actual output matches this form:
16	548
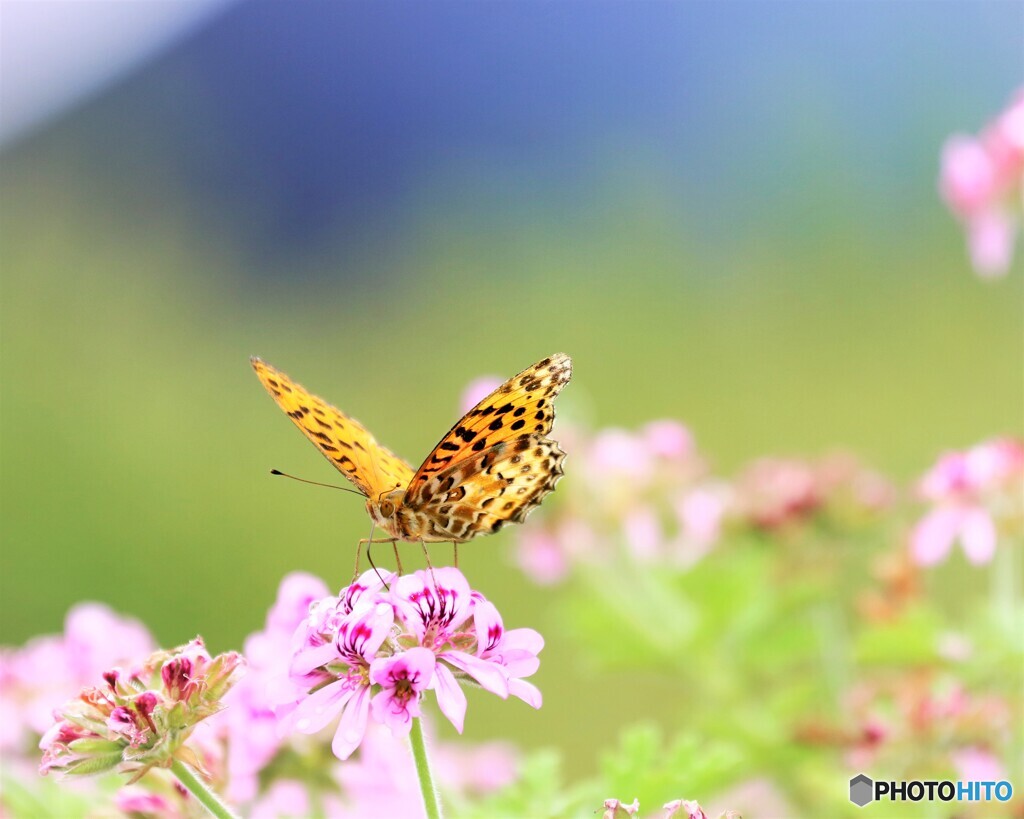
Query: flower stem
431	800
210	800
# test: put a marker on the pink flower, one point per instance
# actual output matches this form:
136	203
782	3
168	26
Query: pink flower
775	492
141	723
991	236
349	652
969	492
36	679
428	630
135	800
541	557
981	182
478	769
936	532
615	809
514	651
402	678
968	178
690	809
436	607
249	723
977	764
668	439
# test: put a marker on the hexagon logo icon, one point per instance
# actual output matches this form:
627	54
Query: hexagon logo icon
862	790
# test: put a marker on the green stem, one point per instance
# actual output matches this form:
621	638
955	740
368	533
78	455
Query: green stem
431	800
210	800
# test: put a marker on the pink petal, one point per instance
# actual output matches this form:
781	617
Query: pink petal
488	625
319	708
968	178
668	439
933	536
311	658
352	727
450	698
389	711
991	235
527	692
525	639
417	664
978	536
642	531
518	663
491	676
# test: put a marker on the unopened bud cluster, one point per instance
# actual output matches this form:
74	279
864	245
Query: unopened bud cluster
136	721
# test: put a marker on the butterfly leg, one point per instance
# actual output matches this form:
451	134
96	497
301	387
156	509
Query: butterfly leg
368	541
455	547
398	560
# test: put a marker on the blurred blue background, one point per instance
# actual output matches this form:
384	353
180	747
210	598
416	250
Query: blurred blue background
727	213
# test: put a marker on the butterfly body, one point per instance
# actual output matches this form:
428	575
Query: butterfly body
494	466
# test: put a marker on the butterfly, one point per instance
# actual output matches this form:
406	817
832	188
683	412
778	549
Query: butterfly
494	466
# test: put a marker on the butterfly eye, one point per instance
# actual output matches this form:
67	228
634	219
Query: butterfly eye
387	509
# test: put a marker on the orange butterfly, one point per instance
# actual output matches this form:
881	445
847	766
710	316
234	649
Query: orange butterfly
495	465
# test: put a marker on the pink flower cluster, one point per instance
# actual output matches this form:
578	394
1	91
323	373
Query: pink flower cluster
646	490
981	180
376	648
972	494
648	495
141	719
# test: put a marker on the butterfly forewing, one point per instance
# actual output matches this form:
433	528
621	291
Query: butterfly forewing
523	405
344	441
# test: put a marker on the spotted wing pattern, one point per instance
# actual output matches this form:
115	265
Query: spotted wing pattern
479	494
521	406
343	440
496	463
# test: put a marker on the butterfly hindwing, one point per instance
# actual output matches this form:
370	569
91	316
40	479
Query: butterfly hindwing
479	494
344	441
523	405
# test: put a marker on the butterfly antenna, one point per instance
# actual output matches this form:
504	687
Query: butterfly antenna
314	483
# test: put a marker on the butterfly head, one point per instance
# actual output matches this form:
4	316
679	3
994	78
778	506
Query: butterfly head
383	509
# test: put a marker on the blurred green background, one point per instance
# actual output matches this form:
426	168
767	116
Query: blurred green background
726	214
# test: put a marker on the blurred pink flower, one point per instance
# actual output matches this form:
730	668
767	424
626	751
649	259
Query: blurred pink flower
668	439
968	177
48	670
978	764
541	557
616	809
686	808
137	800
991	236
476	769
969	492
249	723
981	183
775	492
477	391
